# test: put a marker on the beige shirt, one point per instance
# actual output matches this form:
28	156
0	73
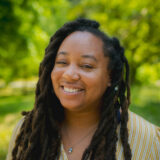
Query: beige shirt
13	138
144	140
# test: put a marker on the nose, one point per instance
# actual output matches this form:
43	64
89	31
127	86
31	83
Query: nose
71	73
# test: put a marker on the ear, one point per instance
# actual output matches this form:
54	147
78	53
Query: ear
109	78
109	84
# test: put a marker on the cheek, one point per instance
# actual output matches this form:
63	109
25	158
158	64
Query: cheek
97	83
55	76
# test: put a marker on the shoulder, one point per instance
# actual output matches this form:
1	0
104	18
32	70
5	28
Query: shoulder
139	125
13	138
144	138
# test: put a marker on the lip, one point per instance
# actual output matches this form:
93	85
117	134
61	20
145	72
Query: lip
72	86
71	93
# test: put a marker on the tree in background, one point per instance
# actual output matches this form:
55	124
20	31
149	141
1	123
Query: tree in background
25	28
137	24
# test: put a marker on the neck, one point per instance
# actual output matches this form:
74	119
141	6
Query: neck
81	120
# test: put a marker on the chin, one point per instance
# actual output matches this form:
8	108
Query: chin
72	106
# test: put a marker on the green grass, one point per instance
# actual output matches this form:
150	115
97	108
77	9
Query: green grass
10	113
145	102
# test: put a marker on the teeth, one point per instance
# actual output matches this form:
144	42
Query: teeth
70	90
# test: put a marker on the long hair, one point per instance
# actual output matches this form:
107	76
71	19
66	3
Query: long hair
39	136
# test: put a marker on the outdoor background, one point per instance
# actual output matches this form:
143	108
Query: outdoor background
25	30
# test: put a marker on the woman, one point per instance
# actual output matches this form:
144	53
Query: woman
82	100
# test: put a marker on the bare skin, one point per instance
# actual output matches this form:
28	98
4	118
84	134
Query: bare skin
80	78
80	129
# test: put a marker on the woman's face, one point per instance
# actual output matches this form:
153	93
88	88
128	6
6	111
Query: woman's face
80	76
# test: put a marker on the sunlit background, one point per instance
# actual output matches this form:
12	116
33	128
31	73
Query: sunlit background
25	29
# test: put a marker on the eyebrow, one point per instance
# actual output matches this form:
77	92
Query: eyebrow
89	56
64	53
83	56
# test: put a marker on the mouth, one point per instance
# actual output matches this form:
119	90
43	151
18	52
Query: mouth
71	90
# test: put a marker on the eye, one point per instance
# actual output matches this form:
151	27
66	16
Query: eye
87	66
60	62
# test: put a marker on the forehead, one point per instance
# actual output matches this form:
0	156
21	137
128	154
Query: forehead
82	42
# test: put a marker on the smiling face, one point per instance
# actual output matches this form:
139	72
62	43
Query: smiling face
80	76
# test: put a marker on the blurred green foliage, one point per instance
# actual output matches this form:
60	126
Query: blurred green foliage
25	28
11	105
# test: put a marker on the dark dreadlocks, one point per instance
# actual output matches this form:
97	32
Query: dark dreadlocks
39	135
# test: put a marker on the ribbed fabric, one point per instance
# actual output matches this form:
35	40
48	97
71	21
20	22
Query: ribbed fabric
144	140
